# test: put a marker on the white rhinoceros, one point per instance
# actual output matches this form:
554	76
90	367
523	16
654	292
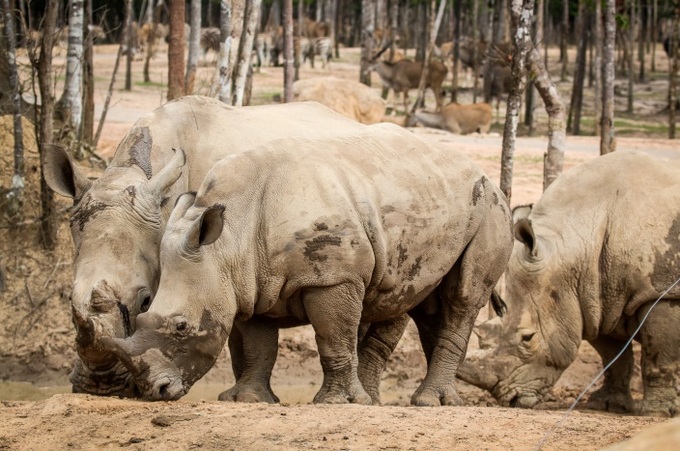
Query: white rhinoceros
375	226
117	222
599	247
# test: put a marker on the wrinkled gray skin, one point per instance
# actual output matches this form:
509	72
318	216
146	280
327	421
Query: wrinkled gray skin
599	247
369	229
117	223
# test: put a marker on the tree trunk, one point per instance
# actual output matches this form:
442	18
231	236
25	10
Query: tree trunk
643	39
297	40
654	35
475	48
123	40
48	220
673	73
580	72
631	59
245	50
530	100
597	37
289	61
456	51
521	16
607	139
564	39
194	46
222	84
15	197
367	29
130	40
553	160
71	100
88	81
151	39
176	50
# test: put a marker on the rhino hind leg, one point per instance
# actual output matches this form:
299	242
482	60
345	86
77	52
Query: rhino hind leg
460	296
253	346
614	395
660	359
375	348
335	313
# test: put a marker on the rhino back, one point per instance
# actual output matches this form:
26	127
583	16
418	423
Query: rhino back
616	220
381	206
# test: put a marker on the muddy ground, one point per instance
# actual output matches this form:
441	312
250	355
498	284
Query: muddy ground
36	342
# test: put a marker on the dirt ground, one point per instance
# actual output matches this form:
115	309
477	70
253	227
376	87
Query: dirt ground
37	346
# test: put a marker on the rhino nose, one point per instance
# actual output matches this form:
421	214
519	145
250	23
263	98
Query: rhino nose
167	390
103	297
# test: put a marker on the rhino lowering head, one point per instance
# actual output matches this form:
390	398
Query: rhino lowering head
541	333
181	336
116	225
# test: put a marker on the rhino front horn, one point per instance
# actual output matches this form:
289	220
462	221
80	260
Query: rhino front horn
474	371
123	349
86	333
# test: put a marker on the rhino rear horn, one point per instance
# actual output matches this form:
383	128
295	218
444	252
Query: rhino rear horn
476	370
169	174
61	173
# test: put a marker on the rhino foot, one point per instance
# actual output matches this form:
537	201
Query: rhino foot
354	396
656	408
242	393
611	401
436	397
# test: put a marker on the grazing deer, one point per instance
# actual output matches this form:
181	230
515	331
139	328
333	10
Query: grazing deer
405	75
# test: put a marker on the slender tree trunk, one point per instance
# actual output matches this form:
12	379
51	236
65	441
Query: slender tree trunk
598	37
631	58
88	81
222	84
15	197
132	49
456	51
673	73
547	19
176	50
580	72
151	39
194	46
654	34
521	16
289	60
367	29
475	48
530	100
245	50
607	139
643	36
71	101
48	220
435	23
564	39
297	41
553	160
123	41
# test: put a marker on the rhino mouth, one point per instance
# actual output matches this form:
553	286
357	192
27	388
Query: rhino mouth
108	379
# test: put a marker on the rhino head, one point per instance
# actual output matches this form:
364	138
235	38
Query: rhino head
116	225
540	336
181	336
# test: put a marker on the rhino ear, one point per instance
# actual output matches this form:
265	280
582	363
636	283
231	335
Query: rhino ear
169	174
521	212
61	173
524	232
208	228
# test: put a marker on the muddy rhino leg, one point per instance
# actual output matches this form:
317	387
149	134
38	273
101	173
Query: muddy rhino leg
461	294
428	321
614	395
660	342
375	348
335	313
253	345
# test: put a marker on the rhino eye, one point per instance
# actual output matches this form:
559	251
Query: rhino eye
527	337
181	326
146	303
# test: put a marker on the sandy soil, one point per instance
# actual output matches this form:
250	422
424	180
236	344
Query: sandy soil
37	343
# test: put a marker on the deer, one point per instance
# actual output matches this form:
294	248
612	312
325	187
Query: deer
405	75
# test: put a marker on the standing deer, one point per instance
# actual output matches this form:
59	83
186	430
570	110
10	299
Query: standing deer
405	75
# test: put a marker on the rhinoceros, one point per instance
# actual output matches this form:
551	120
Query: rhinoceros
375	226
117	223
590	257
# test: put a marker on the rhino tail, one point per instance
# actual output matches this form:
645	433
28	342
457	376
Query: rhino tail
499	306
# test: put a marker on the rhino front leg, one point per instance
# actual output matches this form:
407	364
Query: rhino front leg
614	395
335	313
375	348
660	358
253	345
